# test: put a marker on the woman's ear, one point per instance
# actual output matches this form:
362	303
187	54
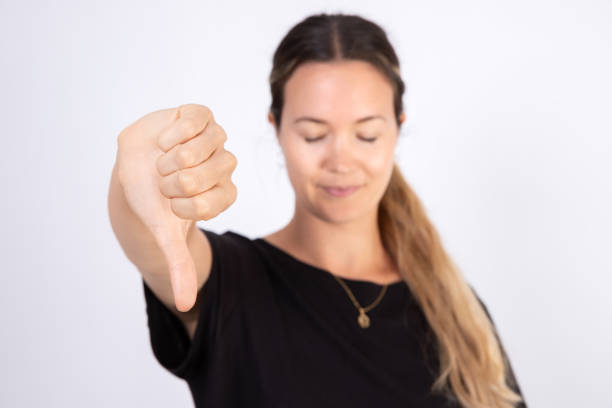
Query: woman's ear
271	120
402	117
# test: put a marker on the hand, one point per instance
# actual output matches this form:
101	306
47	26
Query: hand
174	171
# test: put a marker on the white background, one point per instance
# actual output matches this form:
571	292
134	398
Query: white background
507	142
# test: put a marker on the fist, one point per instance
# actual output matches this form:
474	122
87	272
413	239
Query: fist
195	168
174	170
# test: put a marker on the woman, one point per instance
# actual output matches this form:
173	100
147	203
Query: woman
355	302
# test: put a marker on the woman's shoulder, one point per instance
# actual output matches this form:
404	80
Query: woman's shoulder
227	237
240	243
232	249
240	251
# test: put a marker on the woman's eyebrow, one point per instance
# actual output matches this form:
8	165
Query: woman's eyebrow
316	120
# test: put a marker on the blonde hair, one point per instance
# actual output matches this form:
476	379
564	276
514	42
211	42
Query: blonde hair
471	357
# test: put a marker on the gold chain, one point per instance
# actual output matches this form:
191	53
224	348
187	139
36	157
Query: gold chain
363	319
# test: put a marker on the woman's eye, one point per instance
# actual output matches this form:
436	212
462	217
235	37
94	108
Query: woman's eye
365	139
314	139
368	139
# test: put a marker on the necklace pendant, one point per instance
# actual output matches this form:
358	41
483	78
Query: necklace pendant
363	319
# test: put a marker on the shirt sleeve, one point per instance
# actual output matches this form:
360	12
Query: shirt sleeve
511	378
217	298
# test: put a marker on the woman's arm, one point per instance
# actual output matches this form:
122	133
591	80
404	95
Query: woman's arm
142	250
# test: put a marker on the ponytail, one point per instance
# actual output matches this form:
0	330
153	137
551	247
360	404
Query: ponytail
472	361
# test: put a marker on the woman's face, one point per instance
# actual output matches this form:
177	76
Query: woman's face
338	130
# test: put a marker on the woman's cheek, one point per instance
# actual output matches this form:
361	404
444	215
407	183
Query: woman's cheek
299	173
378	163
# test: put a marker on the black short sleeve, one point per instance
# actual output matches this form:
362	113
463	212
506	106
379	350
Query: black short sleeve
217	298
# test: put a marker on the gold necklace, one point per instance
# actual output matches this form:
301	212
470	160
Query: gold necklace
363	319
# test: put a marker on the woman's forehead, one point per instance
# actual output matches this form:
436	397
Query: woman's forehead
351	89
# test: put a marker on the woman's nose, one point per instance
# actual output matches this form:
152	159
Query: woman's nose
339	154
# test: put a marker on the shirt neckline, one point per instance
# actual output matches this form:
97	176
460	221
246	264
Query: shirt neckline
303	264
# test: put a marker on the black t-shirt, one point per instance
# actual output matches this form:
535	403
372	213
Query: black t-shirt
274	331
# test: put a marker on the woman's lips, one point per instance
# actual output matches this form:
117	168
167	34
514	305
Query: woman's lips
340	191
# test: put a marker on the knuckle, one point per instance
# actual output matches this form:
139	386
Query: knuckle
219	127
190	107
178	207
159	164
185	106
202	111
222	136
233	193
184	157
205	110
186	182
202	208
231	160
188	126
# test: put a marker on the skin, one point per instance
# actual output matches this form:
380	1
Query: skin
338	234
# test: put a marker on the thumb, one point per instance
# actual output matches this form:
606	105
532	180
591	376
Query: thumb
183	277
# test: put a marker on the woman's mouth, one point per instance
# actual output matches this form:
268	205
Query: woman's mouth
338	191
